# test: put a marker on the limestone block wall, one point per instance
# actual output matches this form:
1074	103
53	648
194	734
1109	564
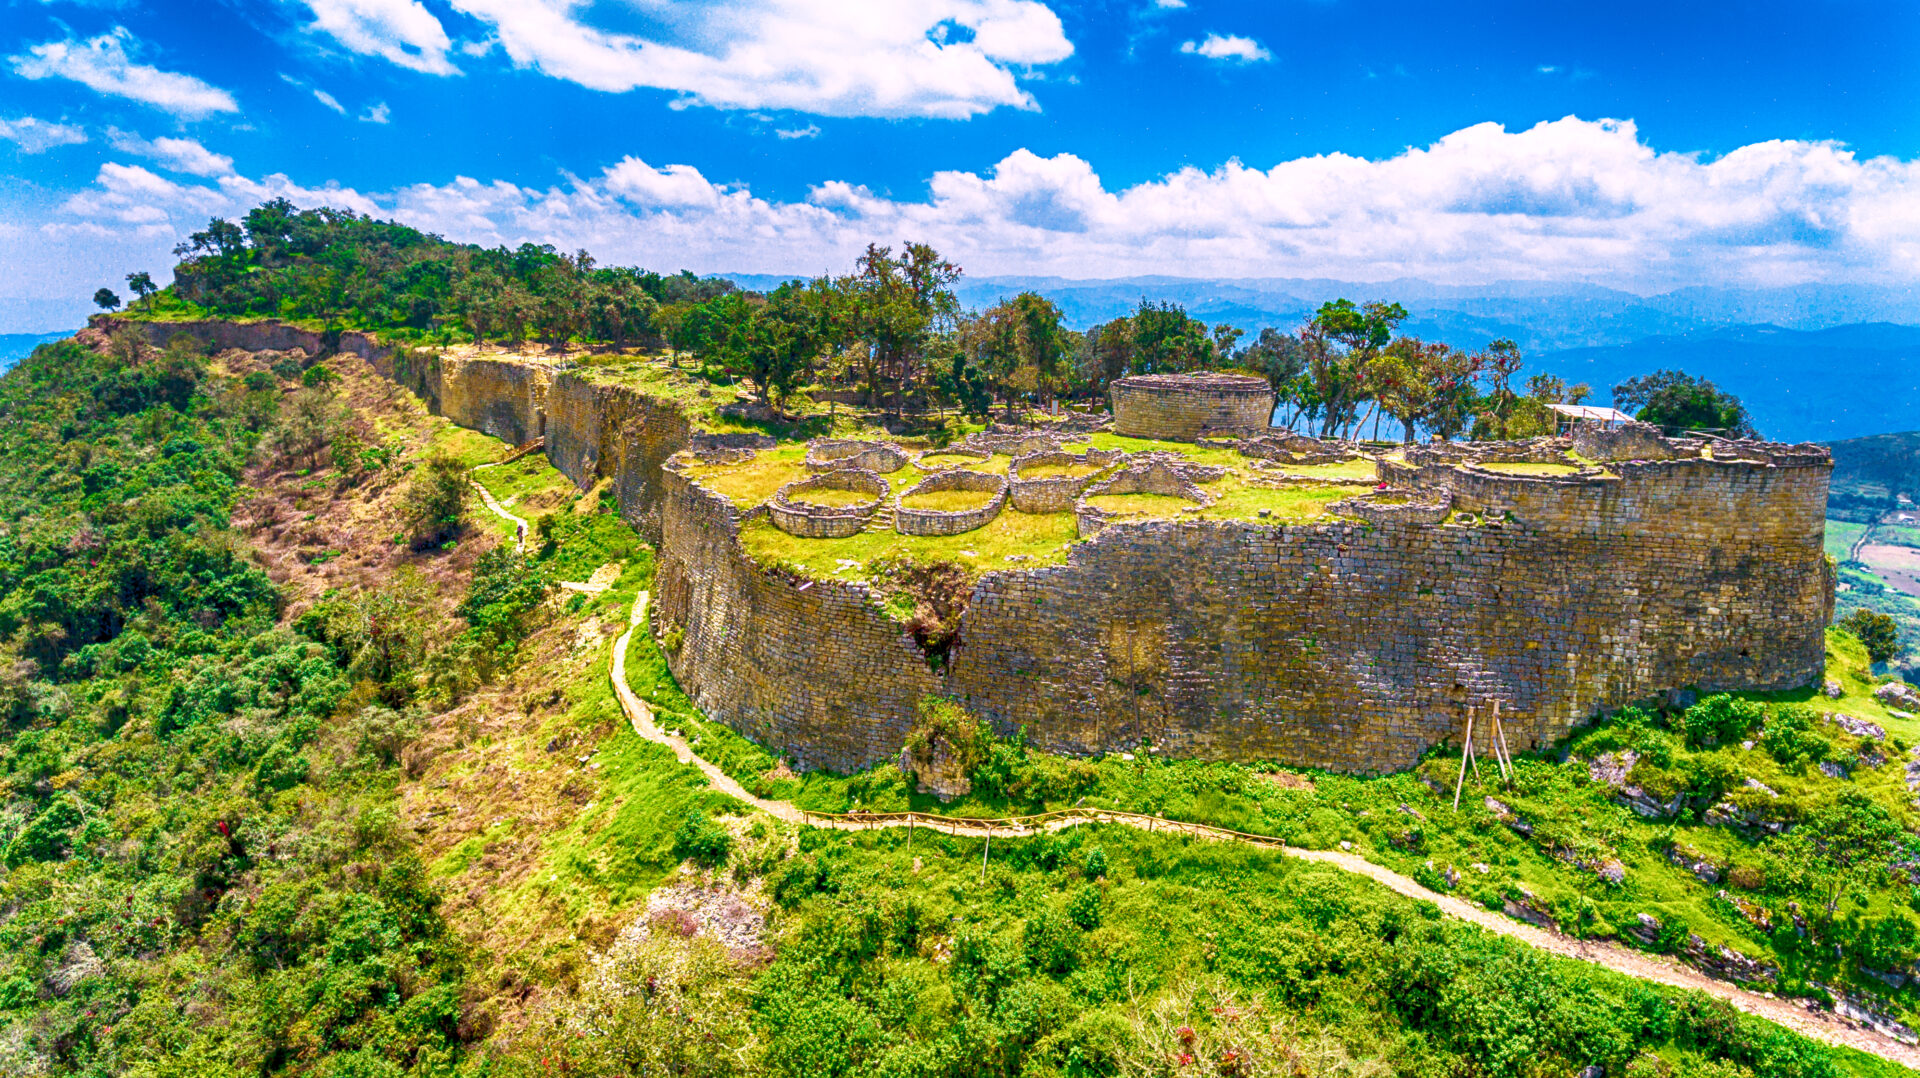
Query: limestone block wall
1178	406
502	397
597	430
812	670
1356	647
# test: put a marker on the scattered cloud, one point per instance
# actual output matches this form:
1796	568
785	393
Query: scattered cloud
1568	200
377	114
948	59
402	32
175	154
1170	5
1547	69
809	131
329	100
1244	50
38	136
102	65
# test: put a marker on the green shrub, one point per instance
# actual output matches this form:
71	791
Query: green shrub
702	841
1721	720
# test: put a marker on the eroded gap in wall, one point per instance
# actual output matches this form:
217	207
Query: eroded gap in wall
930	600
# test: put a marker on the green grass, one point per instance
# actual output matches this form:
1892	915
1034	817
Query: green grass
1041	539
1841	535
469	447
949	501
960	460
1363	468
831	497
1292	504
1058	471
1528	468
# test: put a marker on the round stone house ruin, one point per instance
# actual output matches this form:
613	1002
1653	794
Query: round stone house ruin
908	520
1177	407
810	520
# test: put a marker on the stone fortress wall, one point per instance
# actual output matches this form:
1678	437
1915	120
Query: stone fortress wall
1353	643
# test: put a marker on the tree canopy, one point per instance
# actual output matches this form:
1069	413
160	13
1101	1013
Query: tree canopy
890	330
1678	401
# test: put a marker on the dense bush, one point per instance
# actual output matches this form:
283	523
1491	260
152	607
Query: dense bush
203	870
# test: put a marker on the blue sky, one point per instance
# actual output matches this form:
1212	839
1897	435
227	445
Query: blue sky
1639	146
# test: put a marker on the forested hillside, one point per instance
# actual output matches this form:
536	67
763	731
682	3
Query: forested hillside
204	871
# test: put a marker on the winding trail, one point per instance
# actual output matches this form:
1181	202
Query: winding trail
1816	1023
519	523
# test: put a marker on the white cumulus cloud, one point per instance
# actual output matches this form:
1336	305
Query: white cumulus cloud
938	58
329	101
34	135
1567	200
1232	47
102	64
175	154
403	32
377	114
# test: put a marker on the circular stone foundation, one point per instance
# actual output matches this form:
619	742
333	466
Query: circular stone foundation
1177	407
810	521
910	521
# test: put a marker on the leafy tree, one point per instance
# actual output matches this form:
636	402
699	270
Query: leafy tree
1879	632
106	300
142	285
1678	401
435	499
1166	340
1278	355
896	305
1341	341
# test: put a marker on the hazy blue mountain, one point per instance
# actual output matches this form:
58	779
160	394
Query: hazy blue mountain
1540	316
1801	385
15	346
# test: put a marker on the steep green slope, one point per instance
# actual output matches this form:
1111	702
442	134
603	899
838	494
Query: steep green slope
204	872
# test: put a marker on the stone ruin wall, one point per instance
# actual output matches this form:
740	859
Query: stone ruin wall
1346	645
814	671
593	430
1145	408
1356	647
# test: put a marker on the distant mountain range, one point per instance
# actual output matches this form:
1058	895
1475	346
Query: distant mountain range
15	346
1799	385
1868	472
1540	316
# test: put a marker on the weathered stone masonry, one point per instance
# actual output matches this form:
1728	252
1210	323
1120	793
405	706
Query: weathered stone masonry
1347	645
1180	406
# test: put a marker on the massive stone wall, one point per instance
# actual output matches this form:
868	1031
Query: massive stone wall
594	430
1357	647
1345	645
597	430
813	670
